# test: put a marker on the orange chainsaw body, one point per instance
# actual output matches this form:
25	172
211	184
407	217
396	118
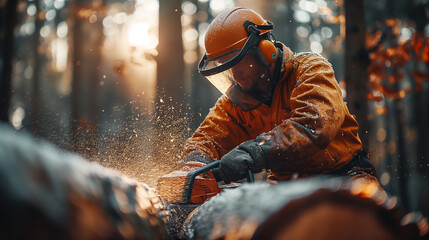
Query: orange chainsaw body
205	187
188	186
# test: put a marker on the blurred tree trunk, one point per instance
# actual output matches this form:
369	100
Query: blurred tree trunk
398	113
417	13
77	73
36	110
95	59
285	30
87	43
203	93
402	153
356	66
169	99
8	21
170	70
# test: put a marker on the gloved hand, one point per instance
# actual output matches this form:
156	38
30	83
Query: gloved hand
235	164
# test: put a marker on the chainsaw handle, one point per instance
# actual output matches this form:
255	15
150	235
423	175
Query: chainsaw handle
250	176
214	167
190	178
216	174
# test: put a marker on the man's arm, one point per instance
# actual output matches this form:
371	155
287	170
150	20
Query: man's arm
317	113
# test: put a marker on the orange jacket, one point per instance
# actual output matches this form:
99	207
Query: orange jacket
307	130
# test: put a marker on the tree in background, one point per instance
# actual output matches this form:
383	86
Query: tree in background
356	65
8	22
87	42
170	90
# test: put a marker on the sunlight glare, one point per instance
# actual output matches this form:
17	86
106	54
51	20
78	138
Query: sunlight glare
301	16
31	10
308	6
302	31
316	47
220	5
59	49
138	35
17	117
62	29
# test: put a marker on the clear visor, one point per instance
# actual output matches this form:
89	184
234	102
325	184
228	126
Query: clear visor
246	83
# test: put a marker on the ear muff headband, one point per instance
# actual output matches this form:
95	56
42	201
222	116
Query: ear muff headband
268	50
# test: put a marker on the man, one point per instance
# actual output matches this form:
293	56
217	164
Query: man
279	111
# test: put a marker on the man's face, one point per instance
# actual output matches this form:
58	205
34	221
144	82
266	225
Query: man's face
247	83
249	73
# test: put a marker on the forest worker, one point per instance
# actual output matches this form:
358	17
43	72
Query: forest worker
279	111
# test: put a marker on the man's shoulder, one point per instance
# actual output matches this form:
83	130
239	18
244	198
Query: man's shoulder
310	56
223	100
223	104
310	61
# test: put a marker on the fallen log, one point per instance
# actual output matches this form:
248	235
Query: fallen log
313	208
48	193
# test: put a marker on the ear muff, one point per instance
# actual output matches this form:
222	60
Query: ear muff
268	50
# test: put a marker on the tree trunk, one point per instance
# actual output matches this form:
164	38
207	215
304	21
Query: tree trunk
35	112
421	99
87	43
356	66
8	22
169	99
402	153
203	93
95	60
76	74
170	70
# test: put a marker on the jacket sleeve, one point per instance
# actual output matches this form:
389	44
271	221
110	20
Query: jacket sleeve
317	113
221	131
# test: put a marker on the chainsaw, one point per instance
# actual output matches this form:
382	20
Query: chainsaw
185	190
196	186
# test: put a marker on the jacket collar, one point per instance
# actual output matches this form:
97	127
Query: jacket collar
288	58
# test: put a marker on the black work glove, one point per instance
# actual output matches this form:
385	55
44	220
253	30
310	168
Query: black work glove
235	164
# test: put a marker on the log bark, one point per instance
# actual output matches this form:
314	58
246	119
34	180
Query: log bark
47	193
329	208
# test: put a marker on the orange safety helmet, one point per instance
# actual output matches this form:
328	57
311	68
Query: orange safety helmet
239	52
230	23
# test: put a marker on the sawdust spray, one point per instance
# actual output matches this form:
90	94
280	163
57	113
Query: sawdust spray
149	142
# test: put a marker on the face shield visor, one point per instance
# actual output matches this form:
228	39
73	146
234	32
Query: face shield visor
242	75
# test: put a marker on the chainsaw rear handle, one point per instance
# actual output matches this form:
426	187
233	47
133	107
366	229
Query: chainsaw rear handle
216	174
214	168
